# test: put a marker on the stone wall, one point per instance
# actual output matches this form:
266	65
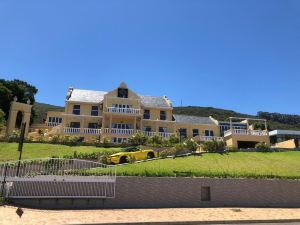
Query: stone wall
155	192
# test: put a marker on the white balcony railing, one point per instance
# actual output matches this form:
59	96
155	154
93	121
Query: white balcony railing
149	133
246	132
119	131
161	134
210	138
123	110
73	130
52	124
91	131
165	134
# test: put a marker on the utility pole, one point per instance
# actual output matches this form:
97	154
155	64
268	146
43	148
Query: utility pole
20	147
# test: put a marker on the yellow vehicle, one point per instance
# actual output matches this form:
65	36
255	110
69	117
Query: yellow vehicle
134	153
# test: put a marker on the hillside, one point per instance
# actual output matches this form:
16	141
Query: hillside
275	122
41	110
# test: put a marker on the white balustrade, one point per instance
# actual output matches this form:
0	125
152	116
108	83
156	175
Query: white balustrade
123	110
165	134
210	138
246	132
149	133
119	131
71	130
91	131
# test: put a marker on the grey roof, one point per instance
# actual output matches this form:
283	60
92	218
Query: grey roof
154	101
284	132
193	119
79	95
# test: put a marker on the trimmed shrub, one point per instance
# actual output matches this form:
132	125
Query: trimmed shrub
174	139
262	146
213	146
191	145
138	138
156	140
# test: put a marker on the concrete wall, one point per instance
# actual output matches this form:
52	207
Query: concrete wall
147	192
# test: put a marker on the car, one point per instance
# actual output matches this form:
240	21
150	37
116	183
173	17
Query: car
135	153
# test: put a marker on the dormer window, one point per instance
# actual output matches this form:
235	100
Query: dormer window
122	93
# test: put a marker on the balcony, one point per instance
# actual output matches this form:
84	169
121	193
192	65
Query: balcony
119	131
246	132
123	110
210	138
161	134
73	130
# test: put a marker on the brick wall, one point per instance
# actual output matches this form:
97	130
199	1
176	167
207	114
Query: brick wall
155	192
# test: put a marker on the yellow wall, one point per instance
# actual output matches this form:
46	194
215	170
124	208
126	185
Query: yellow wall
286	144
200	127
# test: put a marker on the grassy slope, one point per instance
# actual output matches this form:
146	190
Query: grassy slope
238	164
8	151
222	115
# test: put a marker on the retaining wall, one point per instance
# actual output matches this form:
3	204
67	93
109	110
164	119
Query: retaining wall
160	192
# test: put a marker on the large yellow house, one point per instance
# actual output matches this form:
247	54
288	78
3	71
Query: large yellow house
118	114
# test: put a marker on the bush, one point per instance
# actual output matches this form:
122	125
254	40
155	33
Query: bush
213	146
262	146
174	139
138	138
156	140
191	145
168	152
14	136
55	139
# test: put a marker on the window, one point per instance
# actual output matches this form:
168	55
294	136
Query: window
195	132
75	124
205	193
147	129
162	129
209	133
122	126
93	125
122	93
94	111
76	109
146	114
162	115
182	133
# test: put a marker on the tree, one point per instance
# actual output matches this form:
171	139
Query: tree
2	119
138	139
21	89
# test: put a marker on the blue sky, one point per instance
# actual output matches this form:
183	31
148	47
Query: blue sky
240	55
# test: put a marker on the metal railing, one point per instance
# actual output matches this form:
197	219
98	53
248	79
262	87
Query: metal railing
55	178
246	132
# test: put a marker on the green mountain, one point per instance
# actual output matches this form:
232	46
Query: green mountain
275	120
41	110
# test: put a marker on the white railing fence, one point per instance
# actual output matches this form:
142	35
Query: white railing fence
246	132
73	130
52	124
123	110
210	138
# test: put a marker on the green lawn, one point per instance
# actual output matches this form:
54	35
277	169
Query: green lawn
8	151
237	164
